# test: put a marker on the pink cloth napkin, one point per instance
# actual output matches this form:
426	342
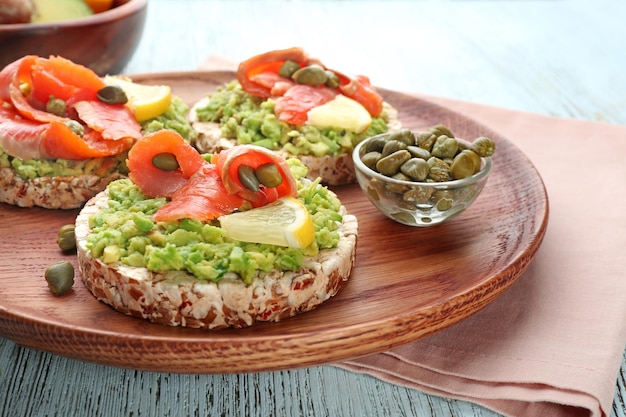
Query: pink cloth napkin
552	344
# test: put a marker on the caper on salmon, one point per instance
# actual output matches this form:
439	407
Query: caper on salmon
56	106
266	174
75	127
247	177
288	68
166	161
313	74
112	94
60	277
434	155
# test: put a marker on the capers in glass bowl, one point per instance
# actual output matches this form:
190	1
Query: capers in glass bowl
422	178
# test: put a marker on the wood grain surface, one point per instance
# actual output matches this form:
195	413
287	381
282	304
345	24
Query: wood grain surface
407	282
555	58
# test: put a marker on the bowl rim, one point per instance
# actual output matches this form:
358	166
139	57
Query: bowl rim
131	7
360	166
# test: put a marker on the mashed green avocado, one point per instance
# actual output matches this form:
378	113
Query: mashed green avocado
34	168
175	118
125	232
251	120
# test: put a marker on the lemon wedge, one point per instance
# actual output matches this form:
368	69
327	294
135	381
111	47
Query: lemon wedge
146	101
285	222
341	112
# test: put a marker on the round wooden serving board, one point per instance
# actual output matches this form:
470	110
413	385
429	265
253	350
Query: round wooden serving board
407	282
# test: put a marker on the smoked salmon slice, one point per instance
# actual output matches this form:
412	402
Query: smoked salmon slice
28	131
260	77
28	139
157	182
20	137
229	161
59	77
59	141
196	188
203	198
267	62
294	105
360	89
7	75
112	122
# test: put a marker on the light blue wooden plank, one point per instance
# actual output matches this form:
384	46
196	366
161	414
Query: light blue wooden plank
560	58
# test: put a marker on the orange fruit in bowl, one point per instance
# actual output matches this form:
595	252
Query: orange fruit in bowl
99	6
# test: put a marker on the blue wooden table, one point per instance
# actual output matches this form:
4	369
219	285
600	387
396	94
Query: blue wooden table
559	58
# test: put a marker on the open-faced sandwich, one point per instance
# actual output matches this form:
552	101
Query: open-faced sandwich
213	241
65	131
291	103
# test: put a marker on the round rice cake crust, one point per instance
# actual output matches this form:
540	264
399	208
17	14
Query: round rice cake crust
65	192
176	298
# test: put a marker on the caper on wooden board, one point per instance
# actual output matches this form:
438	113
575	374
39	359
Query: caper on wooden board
66	239
60	277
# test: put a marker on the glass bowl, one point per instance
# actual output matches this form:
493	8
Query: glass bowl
415	203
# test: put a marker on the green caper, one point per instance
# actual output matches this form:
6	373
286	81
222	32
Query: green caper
401	176
60	277
288	68
418	152
312	75
269	175
66	239
56	106
25	88
247	177
439	170
112	94
415	168
390	165
418	195
373	194
445	147
166	161
396	188
425	140
444	204
439	130
476	161
75	127
375	144
403	135
370	159
483	146
392	146
444	199
462	166
333	80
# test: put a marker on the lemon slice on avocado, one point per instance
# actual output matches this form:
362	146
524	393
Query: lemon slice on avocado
341	112
146	101
285	222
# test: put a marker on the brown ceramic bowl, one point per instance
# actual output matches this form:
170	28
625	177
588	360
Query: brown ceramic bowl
104	42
